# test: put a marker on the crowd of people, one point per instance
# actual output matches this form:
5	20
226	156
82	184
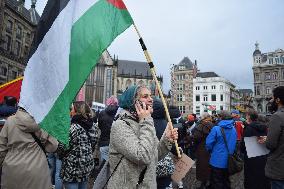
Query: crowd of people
135	143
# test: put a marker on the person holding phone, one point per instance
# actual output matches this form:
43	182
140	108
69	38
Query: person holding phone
134	148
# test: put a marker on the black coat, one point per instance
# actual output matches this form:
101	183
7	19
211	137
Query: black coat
202	155
254	173
159	117
105	120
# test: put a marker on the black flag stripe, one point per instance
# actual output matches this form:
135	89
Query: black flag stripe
50	13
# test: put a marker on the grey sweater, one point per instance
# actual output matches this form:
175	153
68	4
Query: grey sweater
275	142
140	148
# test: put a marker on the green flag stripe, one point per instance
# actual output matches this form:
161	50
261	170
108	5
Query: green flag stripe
91	35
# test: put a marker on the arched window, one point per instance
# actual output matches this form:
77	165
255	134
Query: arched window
274	75
118	85
259	108
267	107
268	90
128	83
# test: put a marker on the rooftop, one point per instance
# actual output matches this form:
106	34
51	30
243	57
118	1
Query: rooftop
133	68
31	15
207	74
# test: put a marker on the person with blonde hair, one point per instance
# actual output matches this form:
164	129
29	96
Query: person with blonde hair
78	160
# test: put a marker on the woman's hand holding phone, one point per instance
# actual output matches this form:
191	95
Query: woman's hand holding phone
142	110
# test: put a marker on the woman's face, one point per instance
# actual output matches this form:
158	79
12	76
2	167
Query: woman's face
145	96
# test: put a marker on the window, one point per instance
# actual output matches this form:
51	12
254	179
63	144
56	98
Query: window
180	98
181	77
14	74
274	75
257	90
267	76
28	37
3	71
282	59
268	90
197	98
221	87
26	51
182	109
17	48
205	87
221	97
9	26
282	74
205	98
213	87
213	97
221	108
270	61
181	67
198	88
181	87
7	45
19	32
197	110
256	77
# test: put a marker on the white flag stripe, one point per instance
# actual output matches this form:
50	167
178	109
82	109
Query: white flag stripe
49	66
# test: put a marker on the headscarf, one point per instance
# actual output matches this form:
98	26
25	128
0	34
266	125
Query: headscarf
126	100
112	101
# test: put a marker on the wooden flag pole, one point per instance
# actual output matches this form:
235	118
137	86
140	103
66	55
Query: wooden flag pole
152	68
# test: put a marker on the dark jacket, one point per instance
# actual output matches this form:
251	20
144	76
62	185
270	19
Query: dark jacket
216	146
105	120
275	143
160	124
254	174
159	118
178	122
202	155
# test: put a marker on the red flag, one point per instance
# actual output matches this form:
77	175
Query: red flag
12	88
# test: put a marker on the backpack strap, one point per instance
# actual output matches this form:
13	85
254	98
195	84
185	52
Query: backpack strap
225	140
113	171
38	142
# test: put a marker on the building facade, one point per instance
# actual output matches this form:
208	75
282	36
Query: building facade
182	76
17	30
134	73
211	93
112	76
268	71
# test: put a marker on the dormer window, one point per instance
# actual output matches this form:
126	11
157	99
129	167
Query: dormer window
181	67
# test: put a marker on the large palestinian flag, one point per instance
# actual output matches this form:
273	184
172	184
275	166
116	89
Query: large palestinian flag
72	34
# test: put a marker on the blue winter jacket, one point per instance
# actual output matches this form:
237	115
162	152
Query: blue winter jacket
216	146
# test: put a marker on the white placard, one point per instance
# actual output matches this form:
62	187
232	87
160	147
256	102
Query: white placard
253	148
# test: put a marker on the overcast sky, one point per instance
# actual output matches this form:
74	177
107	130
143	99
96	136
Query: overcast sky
220	35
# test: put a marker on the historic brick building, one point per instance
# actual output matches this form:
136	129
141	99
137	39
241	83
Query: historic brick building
112	76
17	29
182	76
